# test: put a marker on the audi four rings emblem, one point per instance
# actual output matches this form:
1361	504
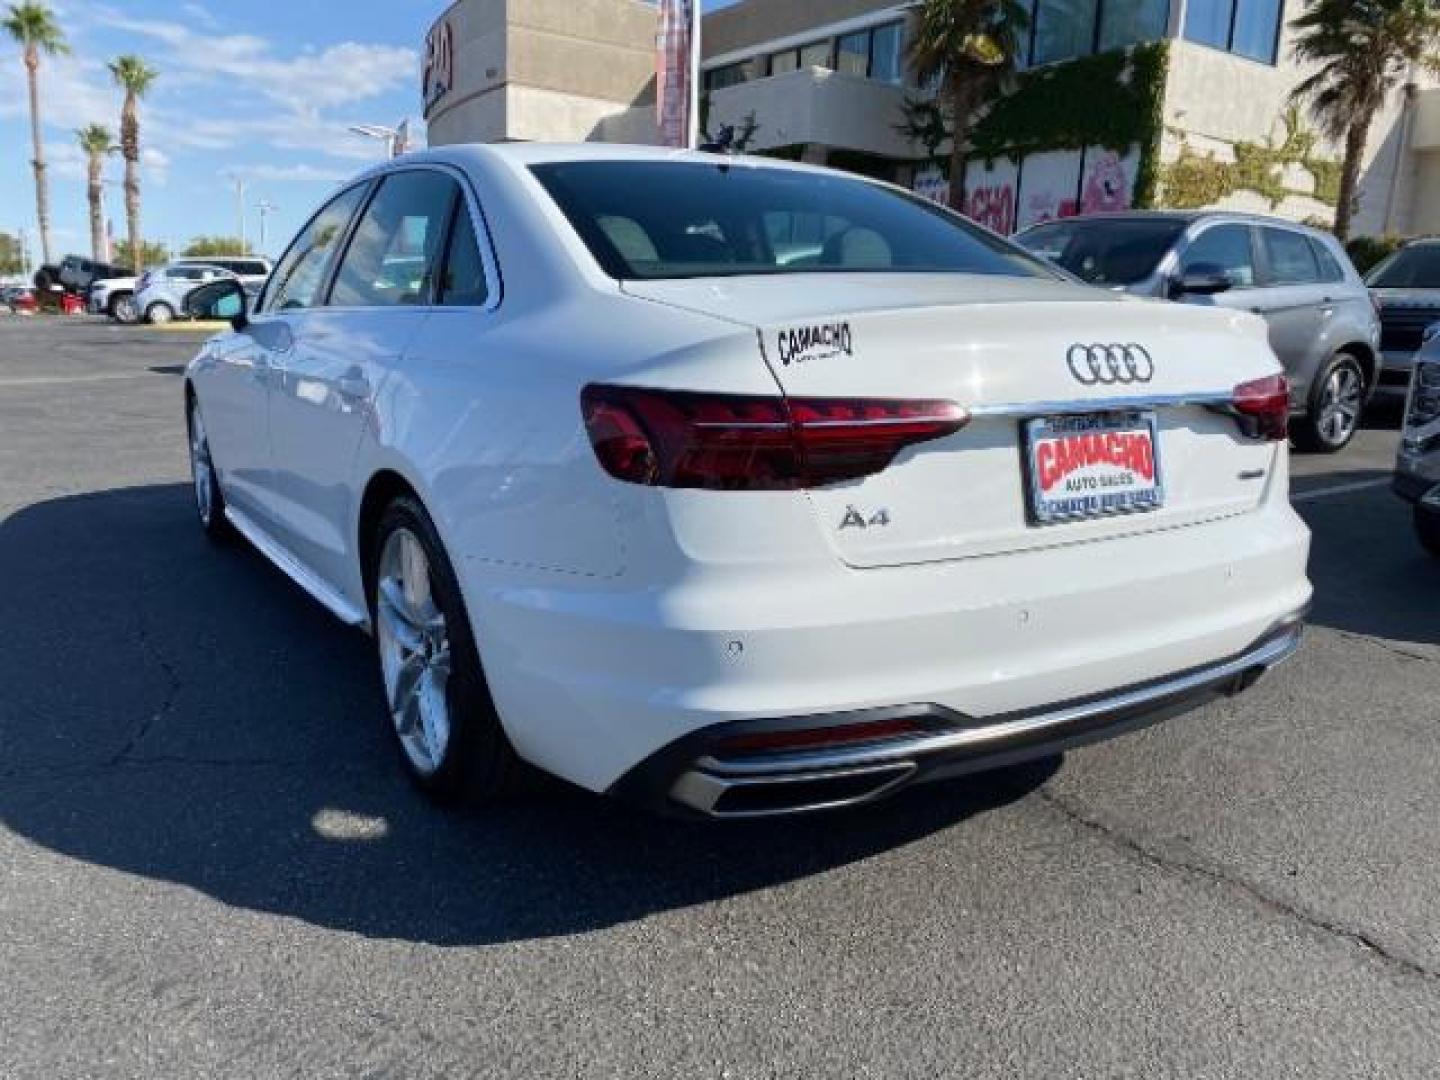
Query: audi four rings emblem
1109	365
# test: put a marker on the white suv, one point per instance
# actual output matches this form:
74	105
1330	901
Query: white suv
626	489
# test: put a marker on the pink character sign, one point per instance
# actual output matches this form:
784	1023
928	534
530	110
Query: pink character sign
1109	181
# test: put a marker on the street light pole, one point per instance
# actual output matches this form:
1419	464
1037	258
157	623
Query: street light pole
240	209
266	207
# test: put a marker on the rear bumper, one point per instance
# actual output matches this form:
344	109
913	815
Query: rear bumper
696	776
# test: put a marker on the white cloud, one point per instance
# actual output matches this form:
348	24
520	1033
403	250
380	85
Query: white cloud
74	91
286	173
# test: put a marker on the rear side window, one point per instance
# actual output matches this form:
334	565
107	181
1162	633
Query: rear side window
1105	251
665	219
463	282
297	280
1330	269
392	256
1224	249
1292	260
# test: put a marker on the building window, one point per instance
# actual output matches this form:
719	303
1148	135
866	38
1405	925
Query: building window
1064	29
885	59
1126	22
852	54
816	54
875	53
1246	27
729	75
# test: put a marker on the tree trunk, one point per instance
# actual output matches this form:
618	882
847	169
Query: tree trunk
130	147
97	211
42	191
959	128
1355	140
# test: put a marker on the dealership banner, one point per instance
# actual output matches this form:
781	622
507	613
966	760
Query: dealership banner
677	52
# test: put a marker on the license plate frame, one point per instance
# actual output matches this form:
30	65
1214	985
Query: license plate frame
1104	498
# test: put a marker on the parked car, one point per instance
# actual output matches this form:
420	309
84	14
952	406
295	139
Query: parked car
114	297
736	536
77	273
19	299
1323	326
1406	288
160	294
1417	465
250	269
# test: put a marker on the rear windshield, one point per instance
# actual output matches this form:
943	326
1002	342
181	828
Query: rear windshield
1409	268
1117	251
665	219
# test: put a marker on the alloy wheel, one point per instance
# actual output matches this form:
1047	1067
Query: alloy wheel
202	469
1340	403
414	645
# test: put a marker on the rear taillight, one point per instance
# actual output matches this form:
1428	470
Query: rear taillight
1263	406
669	438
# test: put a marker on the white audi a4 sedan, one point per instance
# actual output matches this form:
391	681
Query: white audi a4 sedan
740	487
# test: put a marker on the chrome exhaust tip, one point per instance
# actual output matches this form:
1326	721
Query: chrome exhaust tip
794	793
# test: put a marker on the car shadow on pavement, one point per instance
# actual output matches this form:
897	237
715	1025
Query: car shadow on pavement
182	712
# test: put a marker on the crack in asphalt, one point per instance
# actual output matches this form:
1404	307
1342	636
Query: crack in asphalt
1390	647
1217	875
167	703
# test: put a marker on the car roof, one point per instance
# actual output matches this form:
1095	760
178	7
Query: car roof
521	155
1187	217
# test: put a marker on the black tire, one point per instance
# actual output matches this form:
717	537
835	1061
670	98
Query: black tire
159	313
1427	530
113	307
478	763
1317	431
209	499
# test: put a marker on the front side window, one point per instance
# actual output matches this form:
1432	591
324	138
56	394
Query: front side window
391	258
1292	262
1222	249
297	279
655	219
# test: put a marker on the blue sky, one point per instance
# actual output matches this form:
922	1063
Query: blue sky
262	89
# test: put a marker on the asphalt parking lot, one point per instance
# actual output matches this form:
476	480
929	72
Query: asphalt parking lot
211	865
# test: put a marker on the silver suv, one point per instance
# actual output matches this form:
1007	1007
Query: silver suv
1323	325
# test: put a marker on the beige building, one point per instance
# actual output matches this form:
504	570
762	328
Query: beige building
1177	103
543	70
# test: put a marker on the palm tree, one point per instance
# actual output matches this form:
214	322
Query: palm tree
98	144
971	47
134	76
34	28
1366	48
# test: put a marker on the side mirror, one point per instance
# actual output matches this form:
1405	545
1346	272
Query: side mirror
1200	282
222	299
1430	333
